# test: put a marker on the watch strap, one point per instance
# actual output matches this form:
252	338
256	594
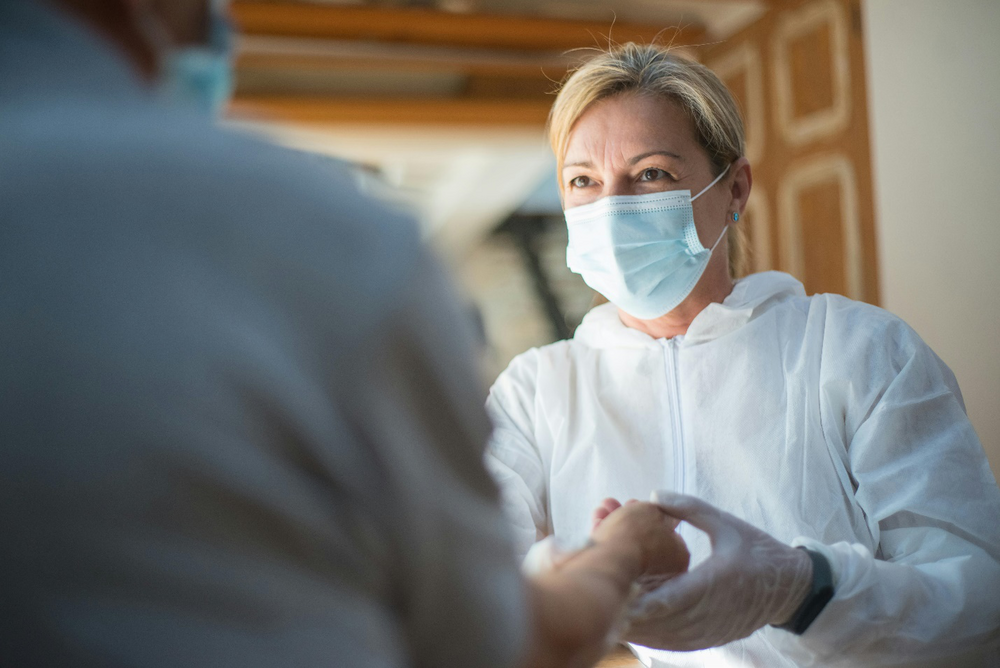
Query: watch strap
819	595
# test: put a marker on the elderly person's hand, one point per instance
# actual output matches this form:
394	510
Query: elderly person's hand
678	556
645	528
749	580
644	532
579	597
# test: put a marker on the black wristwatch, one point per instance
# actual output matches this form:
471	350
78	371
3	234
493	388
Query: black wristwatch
817	598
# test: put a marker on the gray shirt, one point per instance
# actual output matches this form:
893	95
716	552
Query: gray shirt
239	424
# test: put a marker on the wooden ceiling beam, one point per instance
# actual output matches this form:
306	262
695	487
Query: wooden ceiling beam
256	61
284	53
326	111
427	26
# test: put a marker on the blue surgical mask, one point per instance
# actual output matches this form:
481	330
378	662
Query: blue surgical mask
202	76
642	252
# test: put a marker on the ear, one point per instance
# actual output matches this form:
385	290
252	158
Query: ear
742	182
187	21
117	22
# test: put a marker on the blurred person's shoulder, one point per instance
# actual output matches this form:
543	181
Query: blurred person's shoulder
168	189
137	145
161	171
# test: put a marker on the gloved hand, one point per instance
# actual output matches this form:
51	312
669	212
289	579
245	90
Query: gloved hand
749	580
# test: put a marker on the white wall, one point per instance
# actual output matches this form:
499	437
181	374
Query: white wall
934	99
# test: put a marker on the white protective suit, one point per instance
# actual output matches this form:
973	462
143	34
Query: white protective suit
823	421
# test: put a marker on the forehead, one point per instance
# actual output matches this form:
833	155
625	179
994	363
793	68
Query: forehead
629	125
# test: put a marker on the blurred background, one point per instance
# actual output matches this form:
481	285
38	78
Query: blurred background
873	130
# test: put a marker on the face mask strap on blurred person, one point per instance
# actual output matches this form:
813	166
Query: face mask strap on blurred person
641	252
199	75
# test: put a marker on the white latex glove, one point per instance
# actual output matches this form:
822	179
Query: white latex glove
749	580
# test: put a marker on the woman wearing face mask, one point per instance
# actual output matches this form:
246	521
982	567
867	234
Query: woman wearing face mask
766	419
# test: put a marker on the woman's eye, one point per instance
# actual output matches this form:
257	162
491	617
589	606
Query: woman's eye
580	182
652	174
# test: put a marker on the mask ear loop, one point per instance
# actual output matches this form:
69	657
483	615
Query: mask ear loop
724	230
716	180
703	190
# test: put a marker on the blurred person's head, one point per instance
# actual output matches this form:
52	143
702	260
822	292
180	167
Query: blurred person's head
649	88
181	46
145	29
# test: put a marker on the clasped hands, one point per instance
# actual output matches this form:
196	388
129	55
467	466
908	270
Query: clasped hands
749	580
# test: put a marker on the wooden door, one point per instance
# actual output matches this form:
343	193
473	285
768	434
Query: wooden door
799	76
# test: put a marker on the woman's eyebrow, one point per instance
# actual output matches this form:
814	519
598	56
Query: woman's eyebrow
643	156
589	165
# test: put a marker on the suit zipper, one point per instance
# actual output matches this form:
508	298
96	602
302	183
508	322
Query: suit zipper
673	391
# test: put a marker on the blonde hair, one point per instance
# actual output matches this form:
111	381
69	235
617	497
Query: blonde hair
650	69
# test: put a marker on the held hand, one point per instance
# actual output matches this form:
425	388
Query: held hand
578	602
645	529
749	580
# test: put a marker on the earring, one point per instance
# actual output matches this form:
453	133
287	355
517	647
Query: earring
736	216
